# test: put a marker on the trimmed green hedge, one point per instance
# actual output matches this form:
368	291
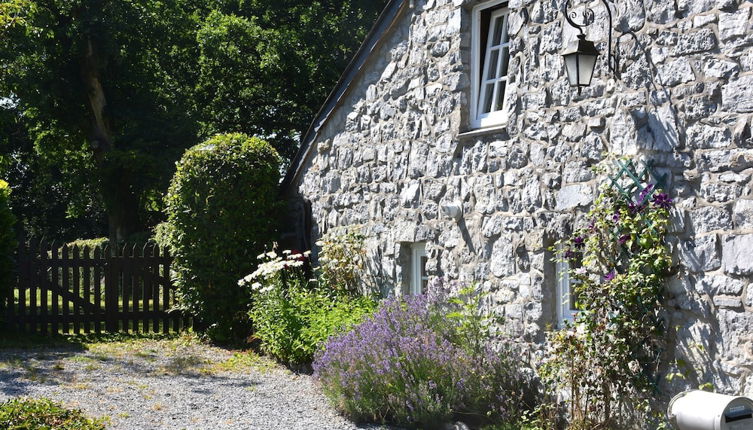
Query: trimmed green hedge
43	414
222	207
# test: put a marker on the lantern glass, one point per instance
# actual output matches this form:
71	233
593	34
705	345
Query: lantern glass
580	61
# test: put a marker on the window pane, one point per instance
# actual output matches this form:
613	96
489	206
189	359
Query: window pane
505	62
500	96
491	71
423	266
500	28
486	103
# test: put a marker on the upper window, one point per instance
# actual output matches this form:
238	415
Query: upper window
419	280
491	52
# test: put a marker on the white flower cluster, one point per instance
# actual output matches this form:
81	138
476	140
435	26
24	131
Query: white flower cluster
273	265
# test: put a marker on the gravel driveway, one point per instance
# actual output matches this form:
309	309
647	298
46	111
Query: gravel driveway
169	384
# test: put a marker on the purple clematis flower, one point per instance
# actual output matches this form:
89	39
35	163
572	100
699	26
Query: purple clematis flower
662	200
616	217
579	242
610	276
624	238
645	192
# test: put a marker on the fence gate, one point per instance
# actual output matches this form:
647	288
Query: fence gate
91	290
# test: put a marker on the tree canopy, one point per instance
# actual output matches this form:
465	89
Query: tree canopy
99	98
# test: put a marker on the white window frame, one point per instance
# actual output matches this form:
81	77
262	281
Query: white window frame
565	311
417	279
495	118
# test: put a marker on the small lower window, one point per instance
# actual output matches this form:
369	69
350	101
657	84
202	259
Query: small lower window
419	279
567	300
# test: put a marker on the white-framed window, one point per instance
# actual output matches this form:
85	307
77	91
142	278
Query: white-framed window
419	280
566	298
489	58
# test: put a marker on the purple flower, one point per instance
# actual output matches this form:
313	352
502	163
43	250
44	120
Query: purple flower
662	200
407	364
579	242
635	207
645	193
610	276
616	217
624	238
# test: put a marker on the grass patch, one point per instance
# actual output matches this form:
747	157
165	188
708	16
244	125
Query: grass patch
244	361
44	414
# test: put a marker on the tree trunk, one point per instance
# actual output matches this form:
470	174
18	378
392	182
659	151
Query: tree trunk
120	202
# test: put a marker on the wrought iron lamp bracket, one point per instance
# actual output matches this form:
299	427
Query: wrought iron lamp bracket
587	18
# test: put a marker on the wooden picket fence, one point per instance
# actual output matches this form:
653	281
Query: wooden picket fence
74	290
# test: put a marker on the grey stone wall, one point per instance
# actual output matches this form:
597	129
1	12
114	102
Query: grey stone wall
396	157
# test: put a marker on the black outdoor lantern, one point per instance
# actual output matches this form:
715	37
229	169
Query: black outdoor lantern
581	55
580	61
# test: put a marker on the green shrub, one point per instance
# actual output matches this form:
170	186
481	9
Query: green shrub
293	315
7	239
222	207
43	414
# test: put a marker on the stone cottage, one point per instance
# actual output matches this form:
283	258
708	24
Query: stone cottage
455	139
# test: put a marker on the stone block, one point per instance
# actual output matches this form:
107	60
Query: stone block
721	69
742	214
676	72
722	285
703	136
573	196
710	218
737	254
700	254
737	95
696	41
503	258
734	24
728	302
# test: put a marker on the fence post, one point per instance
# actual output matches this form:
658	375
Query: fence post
111	290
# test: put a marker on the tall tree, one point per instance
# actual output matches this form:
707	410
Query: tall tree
266	66
108	77
109	93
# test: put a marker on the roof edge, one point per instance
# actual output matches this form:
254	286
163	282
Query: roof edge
386	19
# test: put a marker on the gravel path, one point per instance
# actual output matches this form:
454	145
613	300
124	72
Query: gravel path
169	384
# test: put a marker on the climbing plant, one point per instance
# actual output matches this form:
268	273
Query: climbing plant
607	359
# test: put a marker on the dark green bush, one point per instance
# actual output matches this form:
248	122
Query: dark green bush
222	207
7	239
43	414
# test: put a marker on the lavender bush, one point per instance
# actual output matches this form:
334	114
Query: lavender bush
415	364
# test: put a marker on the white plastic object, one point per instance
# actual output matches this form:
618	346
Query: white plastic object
701	410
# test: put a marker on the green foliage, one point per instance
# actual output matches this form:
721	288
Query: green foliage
91	243
66	62
222	208
293	315
7	239
607	360
13	12
99	98
342	259
277	62
43	414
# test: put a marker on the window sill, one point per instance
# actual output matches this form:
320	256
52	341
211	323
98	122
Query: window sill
483	131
